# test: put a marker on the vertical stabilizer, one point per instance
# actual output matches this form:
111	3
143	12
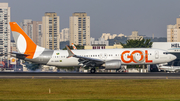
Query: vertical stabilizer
24	44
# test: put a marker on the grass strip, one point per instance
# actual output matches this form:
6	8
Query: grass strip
89	89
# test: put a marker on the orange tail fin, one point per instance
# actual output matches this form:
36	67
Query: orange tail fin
24	44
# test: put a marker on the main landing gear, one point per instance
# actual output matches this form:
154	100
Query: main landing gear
93	70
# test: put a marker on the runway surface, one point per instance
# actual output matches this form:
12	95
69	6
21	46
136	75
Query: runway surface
58	75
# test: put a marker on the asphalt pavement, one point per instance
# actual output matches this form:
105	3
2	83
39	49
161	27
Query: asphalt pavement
68	75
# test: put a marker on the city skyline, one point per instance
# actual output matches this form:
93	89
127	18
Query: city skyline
115	17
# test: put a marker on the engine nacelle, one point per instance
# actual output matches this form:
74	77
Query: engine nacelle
112	64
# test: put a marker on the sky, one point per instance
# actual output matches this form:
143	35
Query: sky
106	16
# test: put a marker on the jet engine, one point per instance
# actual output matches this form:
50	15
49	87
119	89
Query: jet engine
112	64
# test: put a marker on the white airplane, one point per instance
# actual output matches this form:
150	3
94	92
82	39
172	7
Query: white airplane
103	58
169	68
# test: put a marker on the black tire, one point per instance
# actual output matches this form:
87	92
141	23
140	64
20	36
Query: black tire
177	71
93	70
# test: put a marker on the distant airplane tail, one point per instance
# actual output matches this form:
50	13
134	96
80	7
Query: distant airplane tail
74	47
24	44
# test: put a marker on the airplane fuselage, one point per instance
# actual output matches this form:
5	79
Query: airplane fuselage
127	56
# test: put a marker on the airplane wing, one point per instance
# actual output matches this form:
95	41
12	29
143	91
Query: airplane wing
85	61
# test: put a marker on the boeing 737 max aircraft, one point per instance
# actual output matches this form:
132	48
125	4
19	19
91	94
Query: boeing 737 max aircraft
104	58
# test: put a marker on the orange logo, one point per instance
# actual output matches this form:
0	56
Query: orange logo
13	60
131	57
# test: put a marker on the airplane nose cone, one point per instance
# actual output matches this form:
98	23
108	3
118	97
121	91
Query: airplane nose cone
173	57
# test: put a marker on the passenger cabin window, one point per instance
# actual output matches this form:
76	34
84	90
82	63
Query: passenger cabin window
165	53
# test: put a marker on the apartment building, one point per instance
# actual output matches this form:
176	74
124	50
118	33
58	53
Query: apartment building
50	27
5	36
79	28
99	41
173	32
64	34
33	29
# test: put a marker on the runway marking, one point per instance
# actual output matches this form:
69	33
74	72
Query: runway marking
49	90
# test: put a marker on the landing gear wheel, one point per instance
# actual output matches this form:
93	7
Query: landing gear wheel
93	70
177	71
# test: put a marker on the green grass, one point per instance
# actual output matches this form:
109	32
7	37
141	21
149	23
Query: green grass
89	89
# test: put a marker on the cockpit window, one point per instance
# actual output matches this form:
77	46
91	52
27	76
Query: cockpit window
166	53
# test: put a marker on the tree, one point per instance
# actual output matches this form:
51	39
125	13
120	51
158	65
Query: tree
139	43
77	46
69	47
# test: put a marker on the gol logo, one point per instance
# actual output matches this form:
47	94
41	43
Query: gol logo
132	57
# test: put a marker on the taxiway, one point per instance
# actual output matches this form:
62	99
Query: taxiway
59	75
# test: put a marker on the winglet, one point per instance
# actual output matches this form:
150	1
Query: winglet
71	54
74	47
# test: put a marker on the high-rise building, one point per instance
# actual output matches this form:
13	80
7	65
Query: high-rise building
173	32
106	36
24	25
50	23
5	37
135	36
79	28
64	34
13	46
33	29
99	41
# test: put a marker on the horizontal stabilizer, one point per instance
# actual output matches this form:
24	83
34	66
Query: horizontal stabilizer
19	55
